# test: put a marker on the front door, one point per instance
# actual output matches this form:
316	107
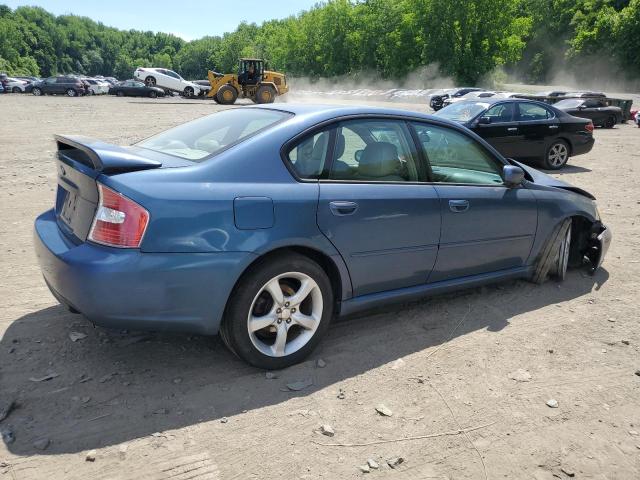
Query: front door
376	209
486	226
502	130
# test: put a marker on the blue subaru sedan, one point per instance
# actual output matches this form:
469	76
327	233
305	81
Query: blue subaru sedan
264	223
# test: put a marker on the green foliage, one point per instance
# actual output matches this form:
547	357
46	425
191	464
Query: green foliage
469	40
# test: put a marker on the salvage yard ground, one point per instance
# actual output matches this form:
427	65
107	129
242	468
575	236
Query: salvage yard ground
159	406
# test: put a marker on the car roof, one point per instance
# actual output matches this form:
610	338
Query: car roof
322	112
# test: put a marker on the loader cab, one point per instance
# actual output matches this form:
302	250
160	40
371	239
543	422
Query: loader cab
251	71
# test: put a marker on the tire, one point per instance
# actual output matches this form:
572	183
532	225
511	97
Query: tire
71	93
150	81
556	247
265	94
557	155
120	93
227	95
278	338
15	90
36	91
153	94
188	92
610	122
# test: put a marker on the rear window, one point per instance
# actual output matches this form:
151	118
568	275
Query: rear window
203	138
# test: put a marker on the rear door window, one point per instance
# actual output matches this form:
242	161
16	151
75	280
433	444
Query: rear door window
533	112
309	156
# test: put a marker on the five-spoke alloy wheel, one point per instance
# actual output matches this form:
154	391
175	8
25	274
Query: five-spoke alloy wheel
278	311
557	155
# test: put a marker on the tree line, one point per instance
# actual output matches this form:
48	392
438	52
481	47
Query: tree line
467	40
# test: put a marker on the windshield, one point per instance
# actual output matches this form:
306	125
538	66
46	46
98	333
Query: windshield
568	103
462	111
202	138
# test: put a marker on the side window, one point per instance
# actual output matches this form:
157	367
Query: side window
531	111
457	158
308	157
172	74
501	113
374	150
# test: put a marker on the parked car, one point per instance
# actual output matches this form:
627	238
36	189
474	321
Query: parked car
70	86
525	129
437	101
280	218
96	87
15	85
168	80
478	95
1	88
134	88
595	109
636	118
29	79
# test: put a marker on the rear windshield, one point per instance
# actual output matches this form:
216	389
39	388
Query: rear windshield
462	111
202	138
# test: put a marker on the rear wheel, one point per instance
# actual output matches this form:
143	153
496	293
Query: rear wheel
71	92
265	94
15	90
153	94
557	155
36	91
227	95
120	93
150	82
610	122
278	312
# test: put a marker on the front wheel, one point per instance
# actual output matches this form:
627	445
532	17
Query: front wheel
120	93
278	312
554	258
610	122
150	82
36	91
557	155
16	90
188	92
153	94
72	93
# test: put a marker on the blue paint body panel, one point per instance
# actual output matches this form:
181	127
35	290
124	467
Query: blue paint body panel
210	221
253	213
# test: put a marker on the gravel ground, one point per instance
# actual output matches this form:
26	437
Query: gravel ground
181	407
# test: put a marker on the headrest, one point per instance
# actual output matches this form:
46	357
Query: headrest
379	159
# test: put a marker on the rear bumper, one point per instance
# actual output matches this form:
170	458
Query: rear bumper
582	144
122	288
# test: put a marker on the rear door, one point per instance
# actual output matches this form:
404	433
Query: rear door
538	126
502	132
375	206
486	226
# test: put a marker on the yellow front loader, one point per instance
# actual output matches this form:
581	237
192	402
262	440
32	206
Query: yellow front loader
252	81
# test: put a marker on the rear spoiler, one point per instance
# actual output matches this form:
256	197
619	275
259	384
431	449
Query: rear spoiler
100	156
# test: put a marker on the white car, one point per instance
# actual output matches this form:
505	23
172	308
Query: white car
97	87
167	79
16	86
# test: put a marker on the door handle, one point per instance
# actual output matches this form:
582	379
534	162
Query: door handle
342	208
458	206
512	129
554	126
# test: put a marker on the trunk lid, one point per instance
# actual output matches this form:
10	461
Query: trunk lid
80	161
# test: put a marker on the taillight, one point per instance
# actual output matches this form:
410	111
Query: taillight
589	127
119	221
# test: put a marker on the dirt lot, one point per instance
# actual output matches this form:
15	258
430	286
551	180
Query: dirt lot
180	407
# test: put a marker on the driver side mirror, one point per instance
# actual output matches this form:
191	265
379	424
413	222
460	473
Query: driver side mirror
484	121
512	175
